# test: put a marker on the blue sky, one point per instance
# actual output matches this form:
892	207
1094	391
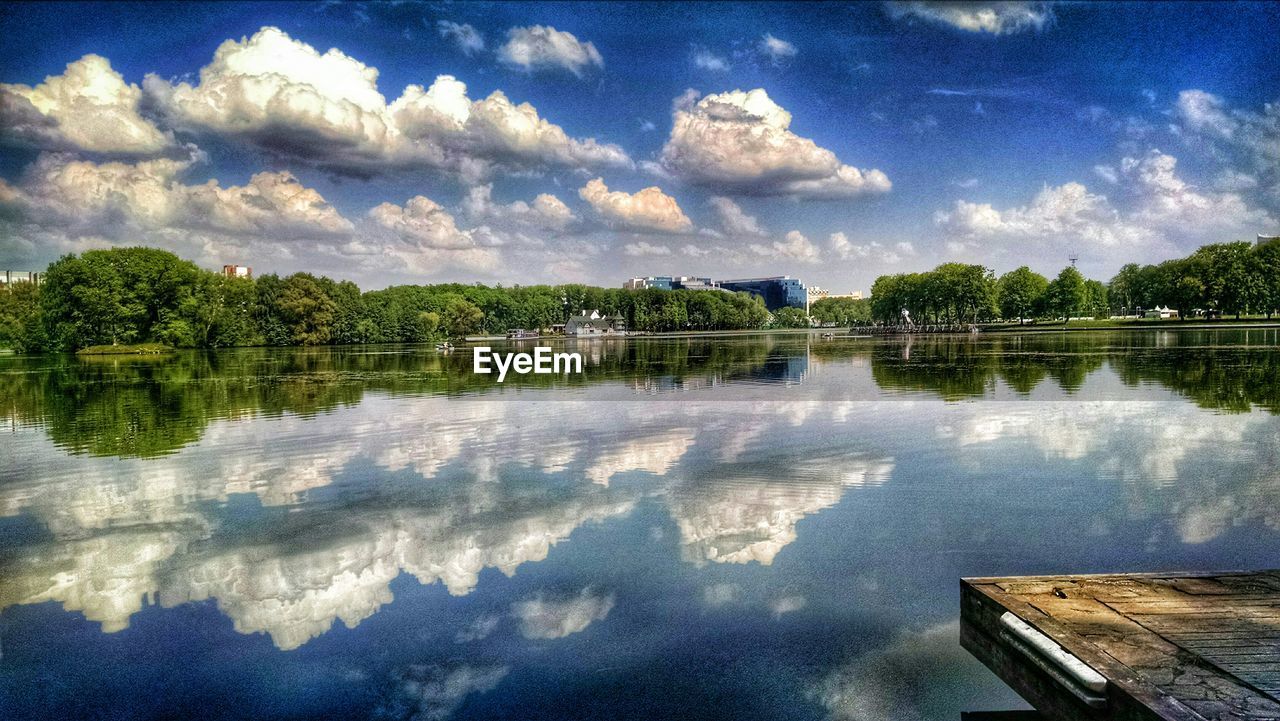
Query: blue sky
833	143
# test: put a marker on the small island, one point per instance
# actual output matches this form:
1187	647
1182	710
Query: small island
126	349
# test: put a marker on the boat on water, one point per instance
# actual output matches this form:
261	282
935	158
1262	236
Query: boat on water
445	346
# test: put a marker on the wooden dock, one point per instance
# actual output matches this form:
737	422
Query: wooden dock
1185	647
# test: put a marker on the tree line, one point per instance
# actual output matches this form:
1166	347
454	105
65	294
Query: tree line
1236	279
136	295
1220	279
956	293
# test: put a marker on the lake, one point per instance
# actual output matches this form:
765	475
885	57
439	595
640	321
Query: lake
742	527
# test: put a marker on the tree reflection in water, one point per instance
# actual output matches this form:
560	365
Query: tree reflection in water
145	407
809	501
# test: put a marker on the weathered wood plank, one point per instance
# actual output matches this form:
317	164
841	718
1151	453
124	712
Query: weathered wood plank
1173	646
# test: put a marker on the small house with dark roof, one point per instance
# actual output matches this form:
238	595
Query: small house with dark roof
589	324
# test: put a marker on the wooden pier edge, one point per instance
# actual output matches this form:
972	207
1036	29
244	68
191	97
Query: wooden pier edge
1153	637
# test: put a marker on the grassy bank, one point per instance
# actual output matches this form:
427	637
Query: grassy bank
138	349
1133	324
668	334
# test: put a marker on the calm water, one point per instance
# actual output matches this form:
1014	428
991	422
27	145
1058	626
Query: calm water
738	528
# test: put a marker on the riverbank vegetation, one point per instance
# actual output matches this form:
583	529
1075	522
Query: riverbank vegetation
142	295
128	296
1222	279
133	349
841	311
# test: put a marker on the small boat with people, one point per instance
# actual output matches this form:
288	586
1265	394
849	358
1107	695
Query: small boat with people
444	347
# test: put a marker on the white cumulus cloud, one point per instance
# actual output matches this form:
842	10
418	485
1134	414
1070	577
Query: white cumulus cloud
284	96
422	221
424	236
546	211
89	107
1159	207
777	49
494	130
919	676
1207	113
875	251
648	209
707	60
1248	142
996	18
795	246
61	204
116	199
732	218
642	249
1169	201
741	141
540	46
1065	211
463	35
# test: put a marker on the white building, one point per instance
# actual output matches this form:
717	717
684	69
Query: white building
817	293
590	324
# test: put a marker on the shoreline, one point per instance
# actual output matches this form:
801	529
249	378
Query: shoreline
662	334
851	331
873	331
1162	325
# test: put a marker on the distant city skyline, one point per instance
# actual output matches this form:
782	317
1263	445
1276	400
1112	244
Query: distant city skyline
555	143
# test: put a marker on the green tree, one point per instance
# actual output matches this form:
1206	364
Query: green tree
1231	277
1096	298
83	303
305	310
1266	258
1179	284
461	318
790	318
21	320
221	311
962	292
349	309
1067	294
1020	292
841	311
890	294
1125	290
428	324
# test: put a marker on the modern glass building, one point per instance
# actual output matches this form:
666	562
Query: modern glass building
671	282
777	292
661	282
